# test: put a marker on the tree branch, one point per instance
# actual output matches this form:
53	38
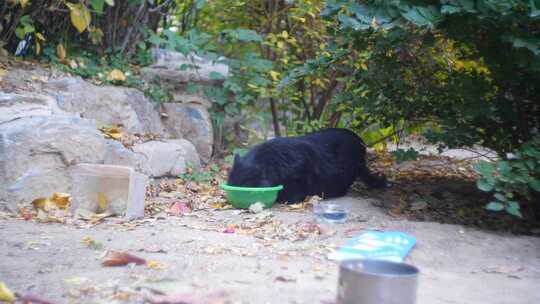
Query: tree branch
135	25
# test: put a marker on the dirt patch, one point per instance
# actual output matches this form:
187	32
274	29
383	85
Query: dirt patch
282	260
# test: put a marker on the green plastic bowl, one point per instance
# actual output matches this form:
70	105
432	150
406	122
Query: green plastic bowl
243	197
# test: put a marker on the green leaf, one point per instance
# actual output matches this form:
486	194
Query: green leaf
484	168
353	23
484	185
423	15
141	45
535	184
504	167
531	164
19	32
28	28
514	209
97	5
535	12
495	206
244	35
155	39
450	9
500	197
405	155
529	43
216	75
199	4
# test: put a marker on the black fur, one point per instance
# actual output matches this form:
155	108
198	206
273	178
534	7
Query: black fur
323	163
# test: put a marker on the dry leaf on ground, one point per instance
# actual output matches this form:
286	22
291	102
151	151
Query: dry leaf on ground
117	258
5	294
61	200
179	208
116	75
33	299
42	203
113	132
155	265
92	244
285	279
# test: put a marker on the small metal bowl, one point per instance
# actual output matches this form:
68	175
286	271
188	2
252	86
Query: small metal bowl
376	282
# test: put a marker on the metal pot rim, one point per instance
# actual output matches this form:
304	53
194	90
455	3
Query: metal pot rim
410	270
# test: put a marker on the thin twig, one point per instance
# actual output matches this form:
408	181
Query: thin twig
480	154
135	24
159	7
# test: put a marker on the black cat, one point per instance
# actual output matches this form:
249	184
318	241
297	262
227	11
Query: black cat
323	163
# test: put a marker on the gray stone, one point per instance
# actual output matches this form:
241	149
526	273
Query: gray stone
107	104
165	158
191	122
16	106
36	154
182	97
178	68
117	154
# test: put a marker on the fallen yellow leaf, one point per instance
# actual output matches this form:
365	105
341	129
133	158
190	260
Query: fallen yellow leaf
44	217
102	201
92	217
73	64
116	75
115	135
111	132
76	280
61	200
296	206
5	294
155	265
60	52
221	206
42	203
91	243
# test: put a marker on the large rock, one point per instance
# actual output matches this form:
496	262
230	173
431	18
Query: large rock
191	122
117	154
24	80
175	67
16	106
107	104
167	158
36	154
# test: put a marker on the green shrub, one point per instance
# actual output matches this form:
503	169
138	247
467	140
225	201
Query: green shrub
512	180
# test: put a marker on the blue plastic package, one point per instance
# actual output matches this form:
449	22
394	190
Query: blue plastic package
391	246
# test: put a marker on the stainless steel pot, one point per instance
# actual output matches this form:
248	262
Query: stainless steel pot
376	282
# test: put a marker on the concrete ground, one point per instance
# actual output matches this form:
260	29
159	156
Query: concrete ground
270	258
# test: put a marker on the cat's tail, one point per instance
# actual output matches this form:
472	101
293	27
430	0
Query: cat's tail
370	179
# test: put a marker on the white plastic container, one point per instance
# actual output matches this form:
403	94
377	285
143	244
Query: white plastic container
118	190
